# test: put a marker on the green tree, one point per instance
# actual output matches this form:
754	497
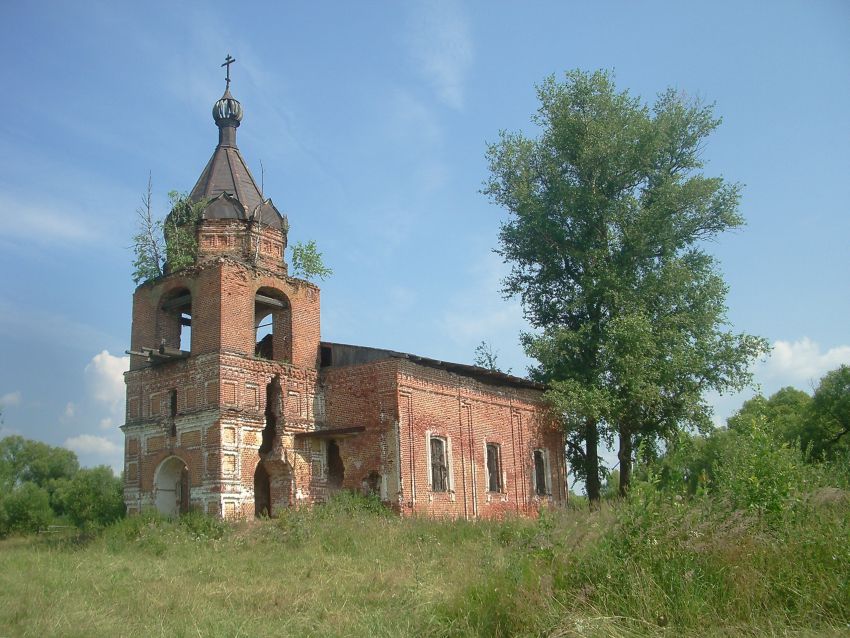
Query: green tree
180	231
167	245
609	211
93	497
23	460
307	261
829	431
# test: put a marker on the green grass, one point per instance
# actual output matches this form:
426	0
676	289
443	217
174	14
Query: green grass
652	566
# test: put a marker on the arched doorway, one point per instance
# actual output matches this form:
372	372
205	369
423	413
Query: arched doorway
262	491
171	487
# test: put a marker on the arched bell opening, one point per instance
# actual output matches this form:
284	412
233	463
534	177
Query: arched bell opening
272	325
174	320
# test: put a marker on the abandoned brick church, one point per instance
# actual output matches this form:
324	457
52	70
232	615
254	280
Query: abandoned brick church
236	407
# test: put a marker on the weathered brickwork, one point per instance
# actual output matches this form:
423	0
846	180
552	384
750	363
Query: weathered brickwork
235	407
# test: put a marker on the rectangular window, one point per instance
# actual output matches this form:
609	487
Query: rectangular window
494	468
539	473
439	465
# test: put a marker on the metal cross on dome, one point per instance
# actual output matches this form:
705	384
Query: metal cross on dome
227	62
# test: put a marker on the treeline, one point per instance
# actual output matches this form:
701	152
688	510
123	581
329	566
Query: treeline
770	447
42	485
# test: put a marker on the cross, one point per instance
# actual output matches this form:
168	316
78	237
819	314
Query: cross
227	62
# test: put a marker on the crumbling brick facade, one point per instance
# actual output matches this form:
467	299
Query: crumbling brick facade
232	423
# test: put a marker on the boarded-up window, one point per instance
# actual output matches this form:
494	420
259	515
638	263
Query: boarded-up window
494	468
439	466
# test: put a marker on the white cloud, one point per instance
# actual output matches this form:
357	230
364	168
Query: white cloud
801	363
43	222
105	377
92	445
96	450
11	398
70	410
441	44
106	424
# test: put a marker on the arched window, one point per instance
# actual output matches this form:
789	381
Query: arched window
273	325
174	320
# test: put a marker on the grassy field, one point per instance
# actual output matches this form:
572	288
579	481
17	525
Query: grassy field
651	566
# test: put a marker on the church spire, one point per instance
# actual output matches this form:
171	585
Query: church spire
226	172
227	111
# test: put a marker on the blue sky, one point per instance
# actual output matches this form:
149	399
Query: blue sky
370	120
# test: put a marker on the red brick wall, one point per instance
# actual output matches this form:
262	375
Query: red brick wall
468	414
365	395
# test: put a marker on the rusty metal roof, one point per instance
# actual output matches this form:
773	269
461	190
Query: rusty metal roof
226	172
344	354
226	182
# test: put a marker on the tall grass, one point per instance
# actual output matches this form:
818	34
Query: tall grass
652	565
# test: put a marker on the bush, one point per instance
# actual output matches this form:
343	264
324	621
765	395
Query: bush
25	509
756	472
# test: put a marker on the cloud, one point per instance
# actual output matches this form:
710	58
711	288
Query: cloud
89	444
441	45
43	222
801	362
11	398
70	410
411	122
106	424
105	377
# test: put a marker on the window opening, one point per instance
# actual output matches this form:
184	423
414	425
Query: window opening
439	466
539	473
271	414
336	470
172	410
494	468
327	356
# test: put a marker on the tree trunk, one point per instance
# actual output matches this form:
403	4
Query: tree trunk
624	454
592	484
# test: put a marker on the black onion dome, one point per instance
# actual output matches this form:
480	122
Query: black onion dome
227	111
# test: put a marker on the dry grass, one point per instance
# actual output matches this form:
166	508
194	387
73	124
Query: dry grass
658	568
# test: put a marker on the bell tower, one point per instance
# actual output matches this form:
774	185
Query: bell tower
224	354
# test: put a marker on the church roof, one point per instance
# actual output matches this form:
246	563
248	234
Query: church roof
226	172
226	183
344	354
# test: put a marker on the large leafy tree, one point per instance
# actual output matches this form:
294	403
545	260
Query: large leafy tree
609	213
